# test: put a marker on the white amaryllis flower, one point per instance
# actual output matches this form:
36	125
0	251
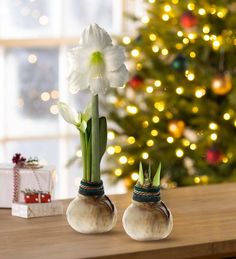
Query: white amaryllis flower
70	115
96	63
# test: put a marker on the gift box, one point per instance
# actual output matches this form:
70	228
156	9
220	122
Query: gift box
33	210
41	179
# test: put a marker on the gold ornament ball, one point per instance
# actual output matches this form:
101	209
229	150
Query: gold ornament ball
221	83
176	128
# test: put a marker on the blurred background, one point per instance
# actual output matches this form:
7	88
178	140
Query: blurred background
179	106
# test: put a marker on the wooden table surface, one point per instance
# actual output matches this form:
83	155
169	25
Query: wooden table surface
204	227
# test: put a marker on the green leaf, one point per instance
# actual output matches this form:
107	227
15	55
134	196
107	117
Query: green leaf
141	176
156	178
103	136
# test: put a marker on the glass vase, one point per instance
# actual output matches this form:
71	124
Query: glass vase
91	211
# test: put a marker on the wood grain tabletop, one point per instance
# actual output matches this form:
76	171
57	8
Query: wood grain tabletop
204	227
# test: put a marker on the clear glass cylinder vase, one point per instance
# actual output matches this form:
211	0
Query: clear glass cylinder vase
90	213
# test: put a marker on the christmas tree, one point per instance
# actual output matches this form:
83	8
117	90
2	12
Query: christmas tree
179	106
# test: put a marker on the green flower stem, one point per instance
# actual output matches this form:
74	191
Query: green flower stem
88	156
84	155
95	177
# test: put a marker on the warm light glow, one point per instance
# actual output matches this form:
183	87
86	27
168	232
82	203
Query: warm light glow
152	37
117	149
123	160
226	116
175	1
155	119
145	19
135	53
195	109
165	17
145	155
206	37
54	109
155	48
54	94
234	123
179	46
134	176
151	1
191	6
126	40
157	83
193	146
179	152
160	106
167	8
192	54
200	92
139	66
45	96
213	10
192	36
190	76
186	142
110	135
222	13
214	136
111	150
43	20
179	90
118	172
213	126
197	179
145	124
202	11
149	89
164	52
131	140
79	153
32	58
131	161
216	44
225	160
131	109
150	143
185	40
180	34
206	29
154	133
170	140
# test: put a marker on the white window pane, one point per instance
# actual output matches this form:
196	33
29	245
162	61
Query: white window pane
32	91
29	18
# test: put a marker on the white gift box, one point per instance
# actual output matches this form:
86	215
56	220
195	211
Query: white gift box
29	179
32	210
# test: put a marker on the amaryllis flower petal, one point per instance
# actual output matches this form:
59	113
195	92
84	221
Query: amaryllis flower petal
119	77
95	38
77	81
114	57
99	85
78	59
68	113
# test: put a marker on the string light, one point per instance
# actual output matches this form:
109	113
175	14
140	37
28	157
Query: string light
170	140
135	53
117	149
202	11
179	152
190	76
118	172
206	37
186	142
151	1
226	116
193	146
213	136
164	52
54	94
157	83
150	143
192	54
175	1
145	124
206	29
149	89
185	40
152	37
195	109
145	19
155	119
216	44
45	96
131	140
200	92
179	90
123	160
139	66
154	133
43	20
155	48
213	10
180	34
131	161
79	153
213	126
111	150
126	40
160	106
110	135
167	8
131	109
225	160
179	46
165	17
134	176
197	179
54	109
192	36
32	58
191	6
222	13
145	155
234	123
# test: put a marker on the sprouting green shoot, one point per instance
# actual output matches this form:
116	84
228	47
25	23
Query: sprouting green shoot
156	178
141	176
